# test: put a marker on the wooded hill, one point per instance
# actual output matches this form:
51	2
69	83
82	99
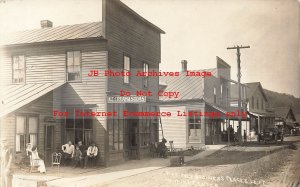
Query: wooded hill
283	100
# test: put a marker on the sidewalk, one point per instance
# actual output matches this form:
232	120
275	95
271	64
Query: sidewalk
98	177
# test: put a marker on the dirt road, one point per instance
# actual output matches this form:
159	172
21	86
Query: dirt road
231	166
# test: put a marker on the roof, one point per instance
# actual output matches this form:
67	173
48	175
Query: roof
59	33
252	87
189	87
14	97
139	16
282	112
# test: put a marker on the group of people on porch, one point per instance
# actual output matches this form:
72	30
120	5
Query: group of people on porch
79	155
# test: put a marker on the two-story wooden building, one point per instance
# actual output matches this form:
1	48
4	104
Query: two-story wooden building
45	84
207	97
260	114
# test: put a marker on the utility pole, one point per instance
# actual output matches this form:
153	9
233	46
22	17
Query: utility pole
239	84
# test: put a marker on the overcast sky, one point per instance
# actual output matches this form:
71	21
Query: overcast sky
196	30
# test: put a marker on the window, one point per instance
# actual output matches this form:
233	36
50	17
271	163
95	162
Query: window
79	127
26	131
18	73
73	66
215	95
146	70
227	96
126	69
257	103
252	102
144	128
262	103
221	90
116	129
194	126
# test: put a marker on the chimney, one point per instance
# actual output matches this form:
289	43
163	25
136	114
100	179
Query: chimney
46	24
183	66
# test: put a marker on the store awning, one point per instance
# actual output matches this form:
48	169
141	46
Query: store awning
13	97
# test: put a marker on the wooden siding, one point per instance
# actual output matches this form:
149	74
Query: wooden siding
44	63
174	127
8	129
130	36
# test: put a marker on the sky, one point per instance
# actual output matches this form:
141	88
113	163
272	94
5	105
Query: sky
196	31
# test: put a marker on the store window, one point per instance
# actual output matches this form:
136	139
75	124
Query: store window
116	128
79	127
194	126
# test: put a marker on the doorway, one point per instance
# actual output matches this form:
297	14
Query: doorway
49	142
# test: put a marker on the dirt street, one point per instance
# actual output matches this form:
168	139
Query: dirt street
234	166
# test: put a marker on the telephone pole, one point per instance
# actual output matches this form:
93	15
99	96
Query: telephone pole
239	84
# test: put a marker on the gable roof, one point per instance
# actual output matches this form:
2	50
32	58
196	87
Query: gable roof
282	112
14	97
252	87
59	33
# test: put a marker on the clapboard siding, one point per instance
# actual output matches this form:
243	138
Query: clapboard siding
42	108
128	35
174	127
45	63
8	129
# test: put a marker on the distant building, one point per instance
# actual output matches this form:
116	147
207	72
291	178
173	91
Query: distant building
284	116
258	108
197	94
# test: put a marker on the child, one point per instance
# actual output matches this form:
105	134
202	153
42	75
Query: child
77	156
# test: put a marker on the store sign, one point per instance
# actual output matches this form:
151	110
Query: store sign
126	99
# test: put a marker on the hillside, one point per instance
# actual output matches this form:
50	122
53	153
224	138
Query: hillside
281	99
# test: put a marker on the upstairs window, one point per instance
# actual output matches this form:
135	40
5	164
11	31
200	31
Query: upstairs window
126	69
146	70
215	95
18	66
252	103
73	66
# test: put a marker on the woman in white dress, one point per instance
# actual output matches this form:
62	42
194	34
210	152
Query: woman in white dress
37	160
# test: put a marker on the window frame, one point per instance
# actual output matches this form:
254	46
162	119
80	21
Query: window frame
125	70
73	129
194	123
80	66
26	133
117	137
146	78
12	69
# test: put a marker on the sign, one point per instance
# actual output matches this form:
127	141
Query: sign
126	99
49	119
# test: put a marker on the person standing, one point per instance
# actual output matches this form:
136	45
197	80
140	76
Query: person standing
6	159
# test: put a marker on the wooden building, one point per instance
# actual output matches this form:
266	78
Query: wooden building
258	107
208	94
285	117
47	70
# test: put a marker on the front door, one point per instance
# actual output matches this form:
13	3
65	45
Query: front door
133	136
49	142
